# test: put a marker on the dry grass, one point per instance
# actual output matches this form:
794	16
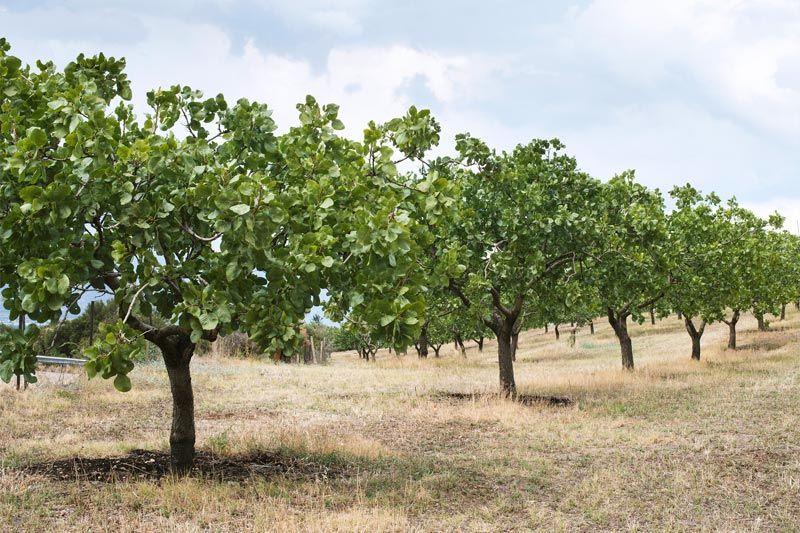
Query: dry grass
675	445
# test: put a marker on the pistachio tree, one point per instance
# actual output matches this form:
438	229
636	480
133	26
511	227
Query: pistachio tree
742	265
201	212
631	262
701	230
774	277
525	220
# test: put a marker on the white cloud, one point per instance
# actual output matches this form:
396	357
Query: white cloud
368	82
745	54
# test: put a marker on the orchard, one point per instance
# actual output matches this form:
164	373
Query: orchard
197	219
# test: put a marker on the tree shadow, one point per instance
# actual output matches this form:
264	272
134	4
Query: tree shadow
140	465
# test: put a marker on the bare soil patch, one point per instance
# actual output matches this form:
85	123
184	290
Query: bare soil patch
524	399
153	465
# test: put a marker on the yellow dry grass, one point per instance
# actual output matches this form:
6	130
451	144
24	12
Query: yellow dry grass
675	445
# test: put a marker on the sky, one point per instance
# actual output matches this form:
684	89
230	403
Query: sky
706	91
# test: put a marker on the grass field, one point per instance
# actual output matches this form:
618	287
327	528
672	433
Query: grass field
355	446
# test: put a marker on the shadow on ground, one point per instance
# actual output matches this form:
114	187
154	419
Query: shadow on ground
524	399
154	465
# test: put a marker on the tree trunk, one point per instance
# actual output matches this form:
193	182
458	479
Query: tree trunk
783	312
423	341
732	329
480	344
460	345
762	325
591	327
177	358
652	318
506	360
680	315
619	322
545	327
797	305
695	334
558	335
514	343
436	348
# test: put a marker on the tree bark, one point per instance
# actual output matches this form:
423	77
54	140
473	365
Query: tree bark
436	348
479	340
732	329
460	344
783	311
619	323
545	327
502	324
680	315
695	334
514	343
506	360
558	335
762	325
423	341
177	353
591	327
652	318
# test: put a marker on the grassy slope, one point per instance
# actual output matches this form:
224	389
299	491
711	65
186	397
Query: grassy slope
674	445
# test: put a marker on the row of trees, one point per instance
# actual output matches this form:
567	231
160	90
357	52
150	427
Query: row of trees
201	214
542	242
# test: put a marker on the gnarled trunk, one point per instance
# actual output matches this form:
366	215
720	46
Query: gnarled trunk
619	323
762	324
503	327
480	343
436	348
505	359
177	354
732	329
558	334
695	334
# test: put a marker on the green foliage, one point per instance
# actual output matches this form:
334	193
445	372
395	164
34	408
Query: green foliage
201	213
113	354
17	354
632	258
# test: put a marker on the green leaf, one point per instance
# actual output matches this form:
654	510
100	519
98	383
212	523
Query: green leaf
6	370
37	136
30	193
28	305
122	383
241	209
327	203
388	319
208	321
327	261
